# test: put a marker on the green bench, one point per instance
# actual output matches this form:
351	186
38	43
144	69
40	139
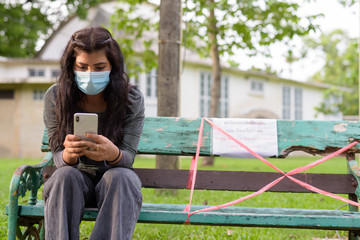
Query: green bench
179	136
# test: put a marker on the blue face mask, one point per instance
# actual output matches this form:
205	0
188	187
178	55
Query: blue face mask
92	83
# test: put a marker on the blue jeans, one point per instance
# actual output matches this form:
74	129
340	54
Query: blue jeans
116	193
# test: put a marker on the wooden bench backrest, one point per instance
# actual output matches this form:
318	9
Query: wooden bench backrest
178	136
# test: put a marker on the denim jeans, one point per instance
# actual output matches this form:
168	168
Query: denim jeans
116	193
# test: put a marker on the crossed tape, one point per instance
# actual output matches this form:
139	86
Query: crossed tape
194	165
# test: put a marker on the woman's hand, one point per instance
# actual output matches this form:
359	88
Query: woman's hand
74	148
102	150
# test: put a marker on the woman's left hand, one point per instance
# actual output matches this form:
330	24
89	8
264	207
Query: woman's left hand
103	149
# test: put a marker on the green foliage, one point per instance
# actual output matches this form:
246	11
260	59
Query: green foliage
252	25
348	3
136	30
341	68
24	23
20	29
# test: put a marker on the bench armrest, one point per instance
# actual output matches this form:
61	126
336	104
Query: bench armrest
25	177
28	177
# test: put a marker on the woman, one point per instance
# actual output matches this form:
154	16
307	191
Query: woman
93	173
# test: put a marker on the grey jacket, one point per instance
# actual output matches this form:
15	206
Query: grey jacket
132	128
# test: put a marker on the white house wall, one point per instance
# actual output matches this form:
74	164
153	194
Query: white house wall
189	92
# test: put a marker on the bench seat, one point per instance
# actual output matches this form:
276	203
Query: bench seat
230	216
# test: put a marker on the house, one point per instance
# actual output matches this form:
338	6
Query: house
244	94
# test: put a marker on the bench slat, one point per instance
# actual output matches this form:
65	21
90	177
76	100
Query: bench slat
239	181
320	137
231	216
260	217
245	181
178	136
174	136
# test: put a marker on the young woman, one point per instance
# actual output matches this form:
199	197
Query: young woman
94	173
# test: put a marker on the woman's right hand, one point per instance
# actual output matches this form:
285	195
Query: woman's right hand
74	148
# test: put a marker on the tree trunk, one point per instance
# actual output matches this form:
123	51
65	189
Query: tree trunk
169	68
216	72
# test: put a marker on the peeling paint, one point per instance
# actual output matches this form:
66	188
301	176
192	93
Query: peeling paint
169	145
160	129
341	127
355	168
190	119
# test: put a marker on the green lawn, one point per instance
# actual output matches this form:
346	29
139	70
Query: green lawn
157	231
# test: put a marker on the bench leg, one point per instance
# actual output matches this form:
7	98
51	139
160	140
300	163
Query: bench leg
12	226
42	230
12	221
353	235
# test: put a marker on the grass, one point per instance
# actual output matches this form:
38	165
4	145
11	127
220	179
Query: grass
162	231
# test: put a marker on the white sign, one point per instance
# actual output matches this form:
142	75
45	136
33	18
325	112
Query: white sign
260	135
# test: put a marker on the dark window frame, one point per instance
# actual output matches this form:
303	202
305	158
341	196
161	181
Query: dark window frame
7	93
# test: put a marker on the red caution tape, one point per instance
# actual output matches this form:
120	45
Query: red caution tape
194	164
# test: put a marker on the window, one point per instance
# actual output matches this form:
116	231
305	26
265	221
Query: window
7	94
298	103
38	94
286	102
55	73
224	96
332	103
292	103
151	81
205	95
36	72
257	86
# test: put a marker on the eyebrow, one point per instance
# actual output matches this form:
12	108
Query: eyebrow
100	63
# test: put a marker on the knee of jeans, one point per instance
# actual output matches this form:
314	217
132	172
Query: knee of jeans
122	176
66	174
63	176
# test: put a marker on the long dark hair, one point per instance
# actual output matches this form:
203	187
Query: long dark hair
68	96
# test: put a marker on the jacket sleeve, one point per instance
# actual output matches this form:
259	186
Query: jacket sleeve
133	126
50	121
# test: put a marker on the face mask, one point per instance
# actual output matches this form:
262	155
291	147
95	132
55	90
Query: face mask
92	83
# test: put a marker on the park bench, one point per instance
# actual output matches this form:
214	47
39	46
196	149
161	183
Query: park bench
179	136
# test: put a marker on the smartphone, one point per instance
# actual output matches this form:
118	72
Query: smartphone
85	123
